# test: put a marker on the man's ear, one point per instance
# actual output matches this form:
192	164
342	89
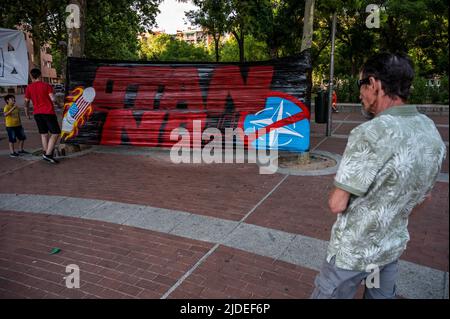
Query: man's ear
376	84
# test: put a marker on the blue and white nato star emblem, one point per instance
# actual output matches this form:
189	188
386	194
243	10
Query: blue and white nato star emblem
286	125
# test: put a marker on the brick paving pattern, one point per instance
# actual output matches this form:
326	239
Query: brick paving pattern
118	261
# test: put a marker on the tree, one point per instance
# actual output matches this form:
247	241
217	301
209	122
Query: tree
286	35
112	27
254	50
419	28
163	47
76	35
241	20
308	25
43	19
212	16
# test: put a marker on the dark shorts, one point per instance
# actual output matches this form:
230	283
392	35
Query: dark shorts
16	133
47	123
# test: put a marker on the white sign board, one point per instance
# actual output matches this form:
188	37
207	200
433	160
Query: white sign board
13	58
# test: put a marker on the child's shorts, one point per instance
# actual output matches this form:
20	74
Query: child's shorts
16	132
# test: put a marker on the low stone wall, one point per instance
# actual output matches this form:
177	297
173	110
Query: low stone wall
423	108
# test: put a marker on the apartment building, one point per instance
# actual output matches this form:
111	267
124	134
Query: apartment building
47	70
195	36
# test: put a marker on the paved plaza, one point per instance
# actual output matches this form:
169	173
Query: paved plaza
139	226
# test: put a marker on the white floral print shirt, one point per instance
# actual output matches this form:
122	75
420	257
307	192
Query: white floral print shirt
389	165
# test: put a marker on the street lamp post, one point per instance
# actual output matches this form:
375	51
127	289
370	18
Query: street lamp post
330	85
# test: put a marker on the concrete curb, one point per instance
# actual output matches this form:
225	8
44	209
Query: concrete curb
415	281
423	108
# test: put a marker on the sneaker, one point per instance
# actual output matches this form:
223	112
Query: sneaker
50	159
15	154
23	152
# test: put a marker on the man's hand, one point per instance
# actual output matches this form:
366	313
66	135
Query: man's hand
338	200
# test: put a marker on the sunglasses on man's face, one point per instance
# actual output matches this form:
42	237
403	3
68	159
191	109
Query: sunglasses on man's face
362	82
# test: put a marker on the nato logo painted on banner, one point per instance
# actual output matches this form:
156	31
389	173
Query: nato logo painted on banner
283	124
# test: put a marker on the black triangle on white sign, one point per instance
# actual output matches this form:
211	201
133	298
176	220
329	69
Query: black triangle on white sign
10	47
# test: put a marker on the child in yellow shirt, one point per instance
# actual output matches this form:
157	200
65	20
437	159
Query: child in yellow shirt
14	125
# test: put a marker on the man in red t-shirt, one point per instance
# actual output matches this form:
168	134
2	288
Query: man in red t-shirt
41	94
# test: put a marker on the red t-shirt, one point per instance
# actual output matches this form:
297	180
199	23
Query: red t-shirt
38	92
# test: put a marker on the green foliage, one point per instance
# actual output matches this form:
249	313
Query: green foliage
419	90
112	27
254	50
347	90
283	30
443	97
212	17
422	92
345	86
57	58
230	51
261	29
277	23
45	20
417	27
163	47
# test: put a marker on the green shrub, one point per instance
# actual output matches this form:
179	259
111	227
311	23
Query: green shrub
443	94
419	91
347	90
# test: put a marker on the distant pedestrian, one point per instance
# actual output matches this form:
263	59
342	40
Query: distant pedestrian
389	166
13	125
41	94
334	102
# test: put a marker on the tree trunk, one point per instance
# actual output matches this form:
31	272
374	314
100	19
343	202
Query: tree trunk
240	41
36	34
216	47
308	25
241	48
76	35
273	52
36	52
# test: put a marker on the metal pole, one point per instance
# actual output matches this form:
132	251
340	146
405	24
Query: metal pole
330	85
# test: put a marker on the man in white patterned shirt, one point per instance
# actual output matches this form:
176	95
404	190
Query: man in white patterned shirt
389	166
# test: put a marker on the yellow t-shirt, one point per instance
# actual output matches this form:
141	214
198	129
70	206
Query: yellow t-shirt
13	119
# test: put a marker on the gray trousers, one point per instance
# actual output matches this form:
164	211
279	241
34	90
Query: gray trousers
337	283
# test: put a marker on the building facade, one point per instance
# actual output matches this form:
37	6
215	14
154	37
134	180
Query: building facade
48	72
195	36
